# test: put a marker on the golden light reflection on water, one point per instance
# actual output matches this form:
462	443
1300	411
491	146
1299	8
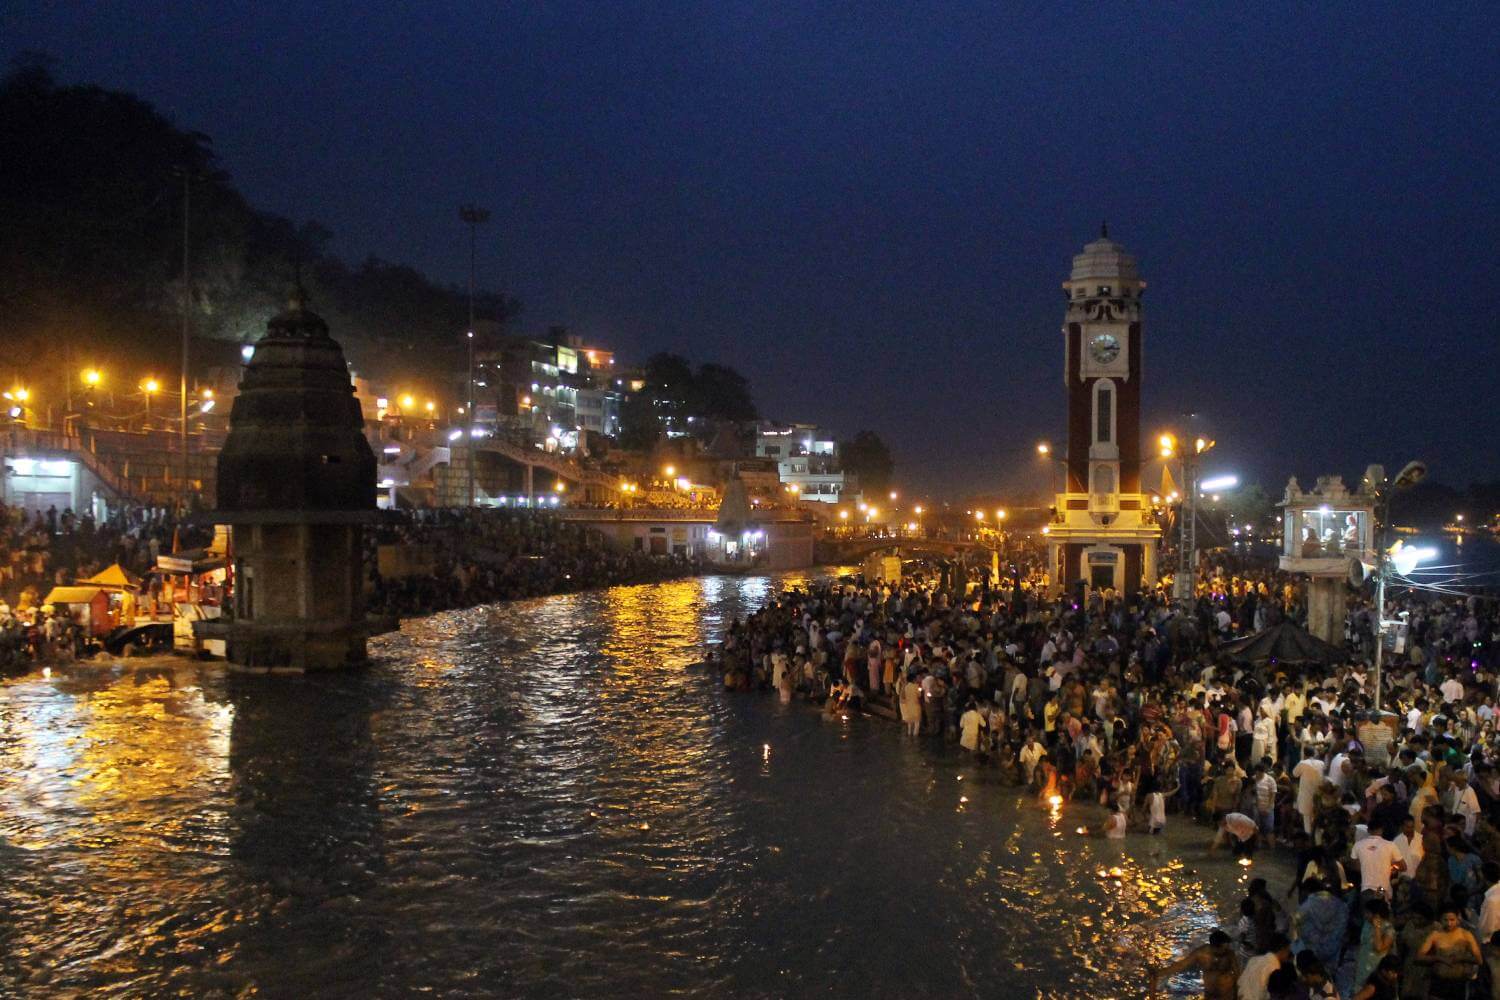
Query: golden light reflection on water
91	763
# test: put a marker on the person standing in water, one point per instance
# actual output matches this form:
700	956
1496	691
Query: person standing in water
1216	961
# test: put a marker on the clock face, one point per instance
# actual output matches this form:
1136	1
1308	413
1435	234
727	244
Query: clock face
1104	348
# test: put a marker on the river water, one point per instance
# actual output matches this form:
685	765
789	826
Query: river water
539	800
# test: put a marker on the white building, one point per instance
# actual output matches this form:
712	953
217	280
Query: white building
806	459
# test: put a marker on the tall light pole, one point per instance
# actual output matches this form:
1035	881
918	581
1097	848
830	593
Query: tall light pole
1188	521
1411	474
473	216
187	298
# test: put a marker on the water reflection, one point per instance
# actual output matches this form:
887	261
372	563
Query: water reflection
541	799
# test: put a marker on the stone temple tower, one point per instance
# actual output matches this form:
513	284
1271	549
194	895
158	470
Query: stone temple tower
296	480
1103	535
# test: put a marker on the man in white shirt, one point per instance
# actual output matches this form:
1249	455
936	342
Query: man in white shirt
1452	689
1238	832
1466	802
1336	771
1489	911
1254	982
1377	858
1309	775
1409	843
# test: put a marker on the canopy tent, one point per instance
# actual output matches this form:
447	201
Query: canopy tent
116	577
72	595
1283	643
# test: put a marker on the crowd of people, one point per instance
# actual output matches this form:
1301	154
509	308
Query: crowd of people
40	550
1388	810
438	559
443	559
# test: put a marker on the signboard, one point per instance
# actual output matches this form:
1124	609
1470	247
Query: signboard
1104	557
172	564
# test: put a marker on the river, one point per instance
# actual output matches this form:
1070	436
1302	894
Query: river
537	799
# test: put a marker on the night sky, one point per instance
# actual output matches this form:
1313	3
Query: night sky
868	208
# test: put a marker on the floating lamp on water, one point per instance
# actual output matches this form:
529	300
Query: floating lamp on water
1055	801
1246	862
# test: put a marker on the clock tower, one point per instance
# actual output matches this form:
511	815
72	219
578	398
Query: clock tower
1103	534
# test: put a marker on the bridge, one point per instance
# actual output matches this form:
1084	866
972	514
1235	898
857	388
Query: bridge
849	551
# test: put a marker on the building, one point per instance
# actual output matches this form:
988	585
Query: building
1103	534
1325	531
547	391
806	459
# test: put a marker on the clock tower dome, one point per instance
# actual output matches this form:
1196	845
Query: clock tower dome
1103	535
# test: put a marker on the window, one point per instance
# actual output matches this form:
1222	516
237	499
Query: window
1103	414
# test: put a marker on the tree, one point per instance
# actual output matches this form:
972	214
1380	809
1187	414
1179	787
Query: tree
1249	505
721	394
868	457
91	193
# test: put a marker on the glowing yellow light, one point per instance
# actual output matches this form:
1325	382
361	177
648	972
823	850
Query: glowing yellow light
1246	862
670	471
407	402
560	487
1054	801
206	393
1203	444
1000	514
893	496
979	515
431	406
1167	442
911	526
151	385
525	400
1044	448
92	376
843	515
1155	499
1046	529
918	510
22	395
874	512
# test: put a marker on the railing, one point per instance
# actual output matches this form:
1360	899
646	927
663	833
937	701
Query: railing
17	438
557	464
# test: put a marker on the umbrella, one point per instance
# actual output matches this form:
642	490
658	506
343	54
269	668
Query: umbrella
1283	643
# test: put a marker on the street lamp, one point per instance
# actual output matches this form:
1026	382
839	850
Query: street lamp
92	377
149	387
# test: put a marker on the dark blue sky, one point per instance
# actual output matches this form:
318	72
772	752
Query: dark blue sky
868	208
